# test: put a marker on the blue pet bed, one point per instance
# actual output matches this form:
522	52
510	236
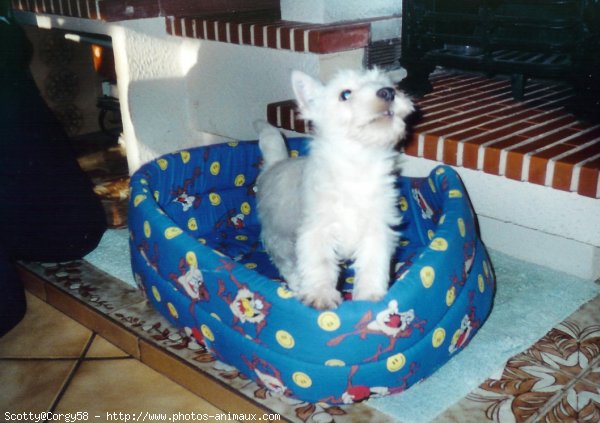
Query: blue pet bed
196	251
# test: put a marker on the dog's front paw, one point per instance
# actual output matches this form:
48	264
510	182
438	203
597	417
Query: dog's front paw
369	297
370	294
322	300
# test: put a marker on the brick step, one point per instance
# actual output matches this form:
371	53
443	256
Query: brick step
119	10
473	122
266	29
257	25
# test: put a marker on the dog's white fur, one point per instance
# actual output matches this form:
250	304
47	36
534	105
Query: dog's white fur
338	202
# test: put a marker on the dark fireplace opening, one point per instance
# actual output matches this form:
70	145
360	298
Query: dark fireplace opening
522	39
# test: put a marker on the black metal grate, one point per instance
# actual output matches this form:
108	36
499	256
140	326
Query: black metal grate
557	39
385	54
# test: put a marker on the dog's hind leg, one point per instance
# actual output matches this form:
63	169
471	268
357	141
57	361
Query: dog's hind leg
283	255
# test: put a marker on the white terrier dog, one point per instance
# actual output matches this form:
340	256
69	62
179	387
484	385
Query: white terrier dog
338	202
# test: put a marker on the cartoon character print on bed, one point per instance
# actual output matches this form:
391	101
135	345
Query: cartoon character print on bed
356	393
269	376
190	278
202	266
390	323
249	310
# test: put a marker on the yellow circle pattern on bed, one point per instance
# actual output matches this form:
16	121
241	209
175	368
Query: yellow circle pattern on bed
196	251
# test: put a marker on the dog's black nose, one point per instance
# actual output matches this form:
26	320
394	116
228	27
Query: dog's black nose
386	94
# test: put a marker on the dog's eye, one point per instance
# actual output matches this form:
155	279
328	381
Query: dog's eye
345	95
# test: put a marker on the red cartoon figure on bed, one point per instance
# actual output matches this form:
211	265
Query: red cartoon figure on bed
234	218
246	306
187	201
151	257
181	196
390	322
468	258
190	279
268	376
456	280
426	210
357	393
462	335
237	221
401	267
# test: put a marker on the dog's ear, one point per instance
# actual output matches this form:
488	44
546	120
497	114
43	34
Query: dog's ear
306	89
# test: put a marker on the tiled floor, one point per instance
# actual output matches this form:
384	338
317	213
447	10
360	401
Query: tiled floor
51	363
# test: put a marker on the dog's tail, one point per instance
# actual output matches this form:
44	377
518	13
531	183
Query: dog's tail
271	143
